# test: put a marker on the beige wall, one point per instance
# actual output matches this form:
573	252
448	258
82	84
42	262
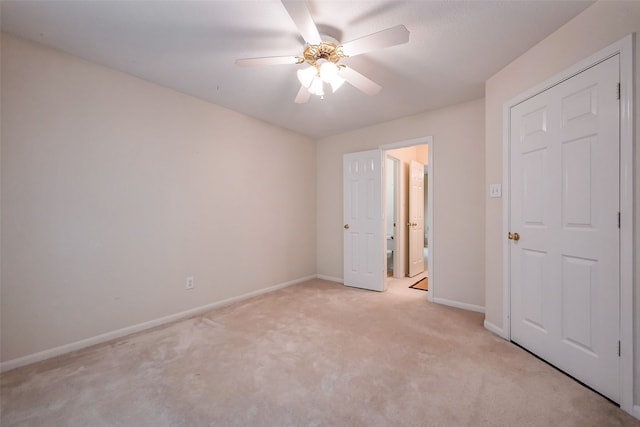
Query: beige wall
597	27
422	153
115	189
459	194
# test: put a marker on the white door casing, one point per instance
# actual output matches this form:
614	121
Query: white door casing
416	218
364	237
398	266
564	204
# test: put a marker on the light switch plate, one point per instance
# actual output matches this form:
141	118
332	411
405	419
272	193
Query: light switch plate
495	190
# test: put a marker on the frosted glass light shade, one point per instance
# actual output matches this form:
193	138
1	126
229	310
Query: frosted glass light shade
328	71
316	87
314	77
307	76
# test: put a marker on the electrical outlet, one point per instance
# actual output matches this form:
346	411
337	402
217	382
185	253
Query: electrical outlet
190	284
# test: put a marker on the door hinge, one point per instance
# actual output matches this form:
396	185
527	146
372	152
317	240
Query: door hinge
619	349
618	92
618	219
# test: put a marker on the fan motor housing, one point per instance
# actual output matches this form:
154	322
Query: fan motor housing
325	50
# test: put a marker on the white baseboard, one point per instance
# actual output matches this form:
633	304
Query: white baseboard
495	329
457	304
330	278
636	411
119	333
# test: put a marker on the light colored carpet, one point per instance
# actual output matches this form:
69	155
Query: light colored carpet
314	354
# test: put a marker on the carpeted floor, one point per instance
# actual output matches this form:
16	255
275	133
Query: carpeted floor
314	354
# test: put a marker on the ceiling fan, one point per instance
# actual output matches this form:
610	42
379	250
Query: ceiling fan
323	56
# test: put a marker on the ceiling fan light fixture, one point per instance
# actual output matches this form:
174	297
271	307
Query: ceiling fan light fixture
317	87
328	71
329	74
323	60
307	76
315	76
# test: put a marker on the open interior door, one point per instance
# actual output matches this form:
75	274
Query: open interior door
364	241
416	218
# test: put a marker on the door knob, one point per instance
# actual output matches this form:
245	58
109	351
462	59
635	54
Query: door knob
346	226
513	236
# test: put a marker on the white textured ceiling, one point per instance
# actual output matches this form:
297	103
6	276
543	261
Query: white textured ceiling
190	46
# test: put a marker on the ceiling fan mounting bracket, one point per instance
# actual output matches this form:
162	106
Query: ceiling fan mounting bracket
325	50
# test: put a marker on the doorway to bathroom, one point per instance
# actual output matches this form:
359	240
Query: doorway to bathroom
364	213
408	210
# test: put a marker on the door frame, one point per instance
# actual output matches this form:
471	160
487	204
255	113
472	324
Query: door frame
624	48
428	141
398	270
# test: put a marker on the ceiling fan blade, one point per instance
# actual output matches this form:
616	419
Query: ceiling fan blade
302	18
359	81
303	95
390	37
268	60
